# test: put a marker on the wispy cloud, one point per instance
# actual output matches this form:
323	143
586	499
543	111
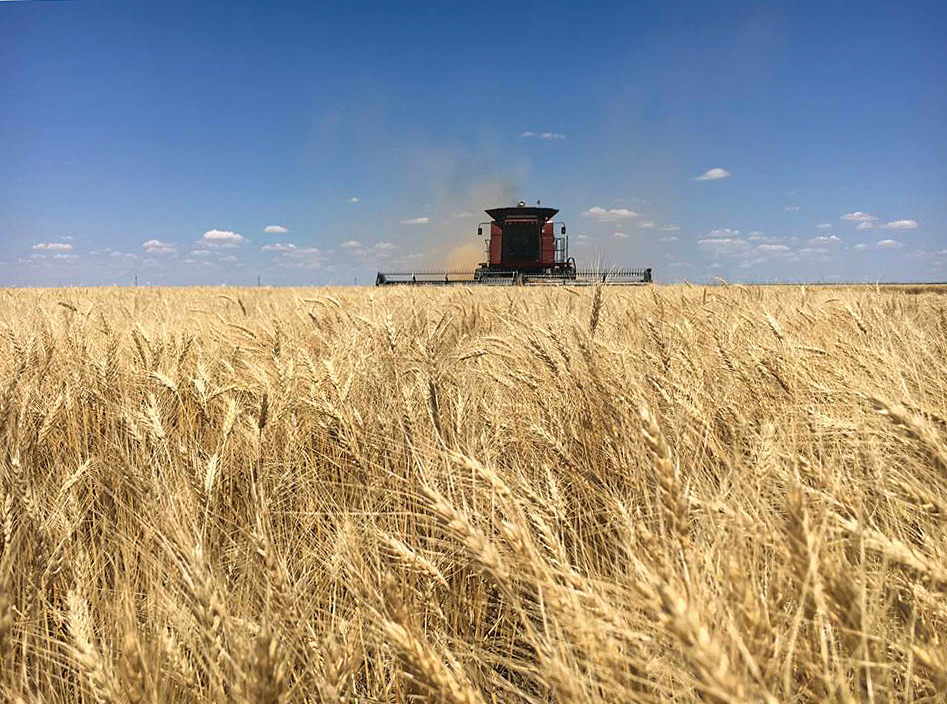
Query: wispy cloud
416	221
670	228
901	225
753	248
158	247
889	244
824	239
351	244
713	174
824	225
222	238
547	136
297	257
868	222
647	225
880	244
464	214
621	235
275	230
53	246
858	216
353	199
722	245
599	213
672	238
792	208
385	247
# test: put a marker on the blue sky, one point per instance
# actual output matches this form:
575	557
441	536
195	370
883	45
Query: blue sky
314	143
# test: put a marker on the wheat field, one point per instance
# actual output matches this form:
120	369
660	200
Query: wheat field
683	494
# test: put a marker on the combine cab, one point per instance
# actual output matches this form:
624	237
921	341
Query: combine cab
523	247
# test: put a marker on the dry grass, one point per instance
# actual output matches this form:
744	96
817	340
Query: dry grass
520	495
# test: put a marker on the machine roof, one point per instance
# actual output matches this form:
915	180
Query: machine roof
501	214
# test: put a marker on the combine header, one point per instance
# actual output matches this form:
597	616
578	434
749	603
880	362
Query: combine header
522	248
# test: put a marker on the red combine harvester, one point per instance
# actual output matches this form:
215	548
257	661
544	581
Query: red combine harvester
522	248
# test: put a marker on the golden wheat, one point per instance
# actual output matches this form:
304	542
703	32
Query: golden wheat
526	495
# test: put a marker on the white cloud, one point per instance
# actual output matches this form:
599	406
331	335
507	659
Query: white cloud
157	247
65	256
547	136
53	246
385	246
275	230
824	238
792	208
353	199
200	252
754	247
603	215
230	258
115	254
351	244
713	174
670	228
901	225
865	225
416	221
824	225
862	246
464	214
813	250
889	244
647	225
672	238
858	216
300	257
223	238
621	235
722	245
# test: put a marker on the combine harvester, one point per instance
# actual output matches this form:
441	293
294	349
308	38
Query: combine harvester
522	249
